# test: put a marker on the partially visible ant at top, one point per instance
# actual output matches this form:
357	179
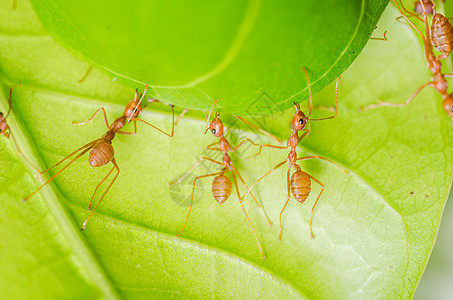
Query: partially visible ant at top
221	185
299	184
101	149
420	7
5	130
439	35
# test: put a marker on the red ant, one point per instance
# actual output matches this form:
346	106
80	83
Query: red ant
300	183
221	185
101	149
441	36
5	130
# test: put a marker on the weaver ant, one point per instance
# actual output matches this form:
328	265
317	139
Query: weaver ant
441	36
5	130
300	183
221	185
101	149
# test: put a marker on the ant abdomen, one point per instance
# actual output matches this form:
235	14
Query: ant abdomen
448	105
221	188
300	185
442	34
101	154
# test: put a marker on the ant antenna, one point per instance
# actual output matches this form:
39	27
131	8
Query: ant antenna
209	116
336	103
309	92
11	97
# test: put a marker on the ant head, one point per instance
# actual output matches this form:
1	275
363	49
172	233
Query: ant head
216	126
299	118
134	107
448	105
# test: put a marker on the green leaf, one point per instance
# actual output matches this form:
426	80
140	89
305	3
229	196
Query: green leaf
374	227
193	52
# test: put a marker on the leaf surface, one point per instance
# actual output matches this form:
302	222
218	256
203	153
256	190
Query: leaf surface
374	227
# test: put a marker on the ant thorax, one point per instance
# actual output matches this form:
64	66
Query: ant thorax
227	161
292	158
118	123
224	145
293	140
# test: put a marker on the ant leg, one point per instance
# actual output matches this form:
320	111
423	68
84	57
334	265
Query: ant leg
254	144
242	142
328	160
372	106
245	212
408	11
448	75
181	115
129	133
336	102
172	124
443	56
310	107
91	119
262	177
209	147
89	146
306	132
56	174
380	39
284	206
259	129
11	97
88	71
399	18
407	19
26	159
193	167
191	199
102	197
316	202
253	196
102	181
269	146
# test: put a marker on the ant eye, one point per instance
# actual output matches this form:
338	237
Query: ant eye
451	108
301	121
213	131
